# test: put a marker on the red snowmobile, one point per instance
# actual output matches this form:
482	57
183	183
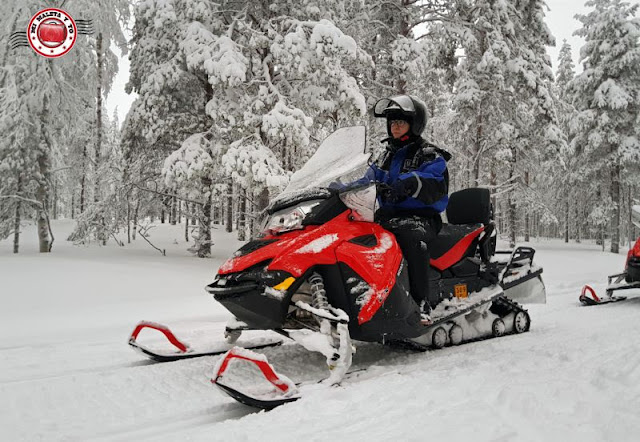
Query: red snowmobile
323	274
629	279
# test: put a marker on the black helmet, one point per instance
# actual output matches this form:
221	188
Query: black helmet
402	107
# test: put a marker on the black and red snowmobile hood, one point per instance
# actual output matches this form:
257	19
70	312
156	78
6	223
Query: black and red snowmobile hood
366	248
296	251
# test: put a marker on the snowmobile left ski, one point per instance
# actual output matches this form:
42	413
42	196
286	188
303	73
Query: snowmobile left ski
322	272
184	350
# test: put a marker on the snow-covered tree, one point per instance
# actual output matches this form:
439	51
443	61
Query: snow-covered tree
278	73
607	96
42	101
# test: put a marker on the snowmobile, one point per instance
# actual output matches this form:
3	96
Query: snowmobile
628	279
324	274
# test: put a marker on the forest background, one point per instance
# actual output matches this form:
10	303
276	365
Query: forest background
232	97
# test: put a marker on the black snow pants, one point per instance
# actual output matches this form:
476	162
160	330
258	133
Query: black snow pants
414	233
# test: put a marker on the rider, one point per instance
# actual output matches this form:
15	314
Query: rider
416	173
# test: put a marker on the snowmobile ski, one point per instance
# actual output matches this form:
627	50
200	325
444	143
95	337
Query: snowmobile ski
252	380
183	350
588	297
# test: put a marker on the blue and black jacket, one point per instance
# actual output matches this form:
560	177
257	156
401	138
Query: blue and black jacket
413	158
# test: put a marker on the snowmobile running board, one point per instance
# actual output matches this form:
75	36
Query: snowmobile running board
184	351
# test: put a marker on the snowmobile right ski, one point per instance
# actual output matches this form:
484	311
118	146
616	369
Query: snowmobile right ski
183	349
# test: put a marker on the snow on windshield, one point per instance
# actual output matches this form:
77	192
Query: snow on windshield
340	157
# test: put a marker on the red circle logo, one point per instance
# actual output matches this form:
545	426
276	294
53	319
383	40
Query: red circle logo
52	32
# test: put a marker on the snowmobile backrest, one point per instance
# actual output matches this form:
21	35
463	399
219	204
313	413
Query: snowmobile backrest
470	206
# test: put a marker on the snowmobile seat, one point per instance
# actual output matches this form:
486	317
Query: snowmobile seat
453	243
469	213
470	206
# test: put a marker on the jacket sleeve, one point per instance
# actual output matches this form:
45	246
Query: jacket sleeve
431	181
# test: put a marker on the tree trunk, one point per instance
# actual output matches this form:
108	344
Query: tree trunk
204	237
229	197
632	237
135	219
216	211
102	236
17	219
42	191
615	198
477	146
578	223
511	202
242	215
567	208
83	179
527	236
173	217
194	218
54	202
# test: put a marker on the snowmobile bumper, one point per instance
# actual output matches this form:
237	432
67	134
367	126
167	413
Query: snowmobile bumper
261	307
521	279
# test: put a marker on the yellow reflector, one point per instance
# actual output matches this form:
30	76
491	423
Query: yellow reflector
460	290
285	284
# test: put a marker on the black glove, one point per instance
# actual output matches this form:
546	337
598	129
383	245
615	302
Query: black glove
401	189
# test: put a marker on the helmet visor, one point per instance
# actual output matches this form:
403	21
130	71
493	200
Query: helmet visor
400	104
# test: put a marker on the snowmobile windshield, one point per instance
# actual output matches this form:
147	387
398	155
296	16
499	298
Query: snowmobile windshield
341	158
402	103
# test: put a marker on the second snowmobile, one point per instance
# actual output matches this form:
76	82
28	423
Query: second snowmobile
627	280
324	274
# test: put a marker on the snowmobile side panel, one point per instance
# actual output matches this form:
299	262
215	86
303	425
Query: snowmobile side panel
397	317
377	266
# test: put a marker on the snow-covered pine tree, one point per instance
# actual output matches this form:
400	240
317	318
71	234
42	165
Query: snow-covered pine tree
539	136
172	97
483	100
607	97
567	181
275	68
503	103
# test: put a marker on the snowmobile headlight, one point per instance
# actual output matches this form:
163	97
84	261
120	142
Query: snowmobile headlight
289	219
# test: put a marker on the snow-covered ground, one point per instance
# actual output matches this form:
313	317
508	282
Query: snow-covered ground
67	373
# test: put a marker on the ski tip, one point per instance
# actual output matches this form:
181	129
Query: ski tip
169	335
